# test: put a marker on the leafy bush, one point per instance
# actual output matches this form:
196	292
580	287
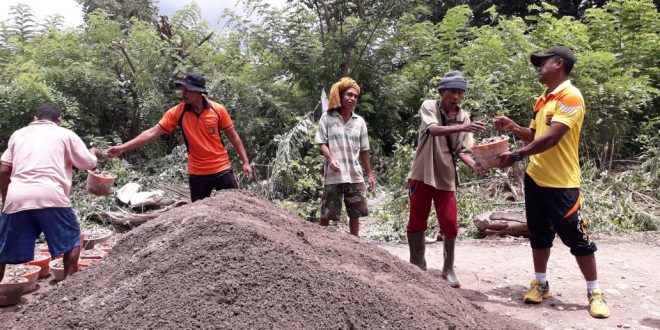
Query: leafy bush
622	201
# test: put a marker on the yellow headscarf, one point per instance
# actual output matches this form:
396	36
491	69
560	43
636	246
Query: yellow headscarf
334	101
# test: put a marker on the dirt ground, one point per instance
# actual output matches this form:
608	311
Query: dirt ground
494	274
236	261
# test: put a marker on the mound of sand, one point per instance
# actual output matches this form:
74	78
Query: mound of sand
236	260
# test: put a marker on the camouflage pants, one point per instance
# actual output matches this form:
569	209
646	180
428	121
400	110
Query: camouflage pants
354	196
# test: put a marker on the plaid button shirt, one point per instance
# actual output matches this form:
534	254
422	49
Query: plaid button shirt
345	140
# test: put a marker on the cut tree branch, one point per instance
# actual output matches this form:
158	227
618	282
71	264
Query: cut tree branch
120	45
205	39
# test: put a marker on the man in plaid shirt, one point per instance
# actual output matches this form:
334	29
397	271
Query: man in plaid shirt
344	142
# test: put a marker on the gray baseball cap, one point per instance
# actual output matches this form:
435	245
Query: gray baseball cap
537	59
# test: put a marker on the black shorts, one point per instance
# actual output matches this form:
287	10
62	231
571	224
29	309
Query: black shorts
551	210
201	186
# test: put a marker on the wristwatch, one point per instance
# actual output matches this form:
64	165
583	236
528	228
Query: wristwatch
516	156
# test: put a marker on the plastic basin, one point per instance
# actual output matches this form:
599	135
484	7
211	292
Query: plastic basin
11	290
100	185
41	260
30	272
84	263
486	154
57	269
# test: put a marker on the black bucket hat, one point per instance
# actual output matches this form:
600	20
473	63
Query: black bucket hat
193	82
537	59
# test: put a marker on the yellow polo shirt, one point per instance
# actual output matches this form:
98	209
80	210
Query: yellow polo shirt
559	166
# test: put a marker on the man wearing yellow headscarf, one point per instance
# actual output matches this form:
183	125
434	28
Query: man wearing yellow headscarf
344	142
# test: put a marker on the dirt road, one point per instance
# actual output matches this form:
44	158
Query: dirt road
494	273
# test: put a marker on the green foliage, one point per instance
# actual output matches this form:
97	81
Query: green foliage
297	171
24	26
309	210
121	11
624	201
394	213
628	29
113	78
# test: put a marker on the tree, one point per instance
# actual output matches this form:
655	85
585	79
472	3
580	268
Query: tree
23	24
480	8
53	22
122	11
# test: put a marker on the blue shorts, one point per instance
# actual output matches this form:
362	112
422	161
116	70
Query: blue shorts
19	231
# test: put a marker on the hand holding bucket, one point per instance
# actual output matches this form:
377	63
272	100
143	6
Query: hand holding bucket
486	153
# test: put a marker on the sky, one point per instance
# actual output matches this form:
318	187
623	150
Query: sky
72	11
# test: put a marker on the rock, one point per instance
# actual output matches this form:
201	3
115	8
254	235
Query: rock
560	308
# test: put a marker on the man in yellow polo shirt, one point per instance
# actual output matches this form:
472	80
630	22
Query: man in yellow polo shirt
201	121
552	179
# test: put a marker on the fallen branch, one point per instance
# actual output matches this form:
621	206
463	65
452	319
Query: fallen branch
123	218
502	223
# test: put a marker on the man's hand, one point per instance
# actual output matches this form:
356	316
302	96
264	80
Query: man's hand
372	183
115	151
474	127
334	165
503	123
247	169
95	152
506	159
477	168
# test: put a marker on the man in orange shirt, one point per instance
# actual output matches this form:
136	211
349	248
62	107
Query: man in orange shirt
201	121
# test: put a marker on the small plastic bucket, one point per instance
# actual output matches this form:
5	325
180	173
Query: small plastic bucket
486	154
56	269
31	272
85	263
41	260
100	185
11	290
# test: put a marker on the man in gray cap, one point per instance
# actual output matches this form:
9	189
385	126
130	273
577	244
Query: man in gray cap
552	178
201	121
445	134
